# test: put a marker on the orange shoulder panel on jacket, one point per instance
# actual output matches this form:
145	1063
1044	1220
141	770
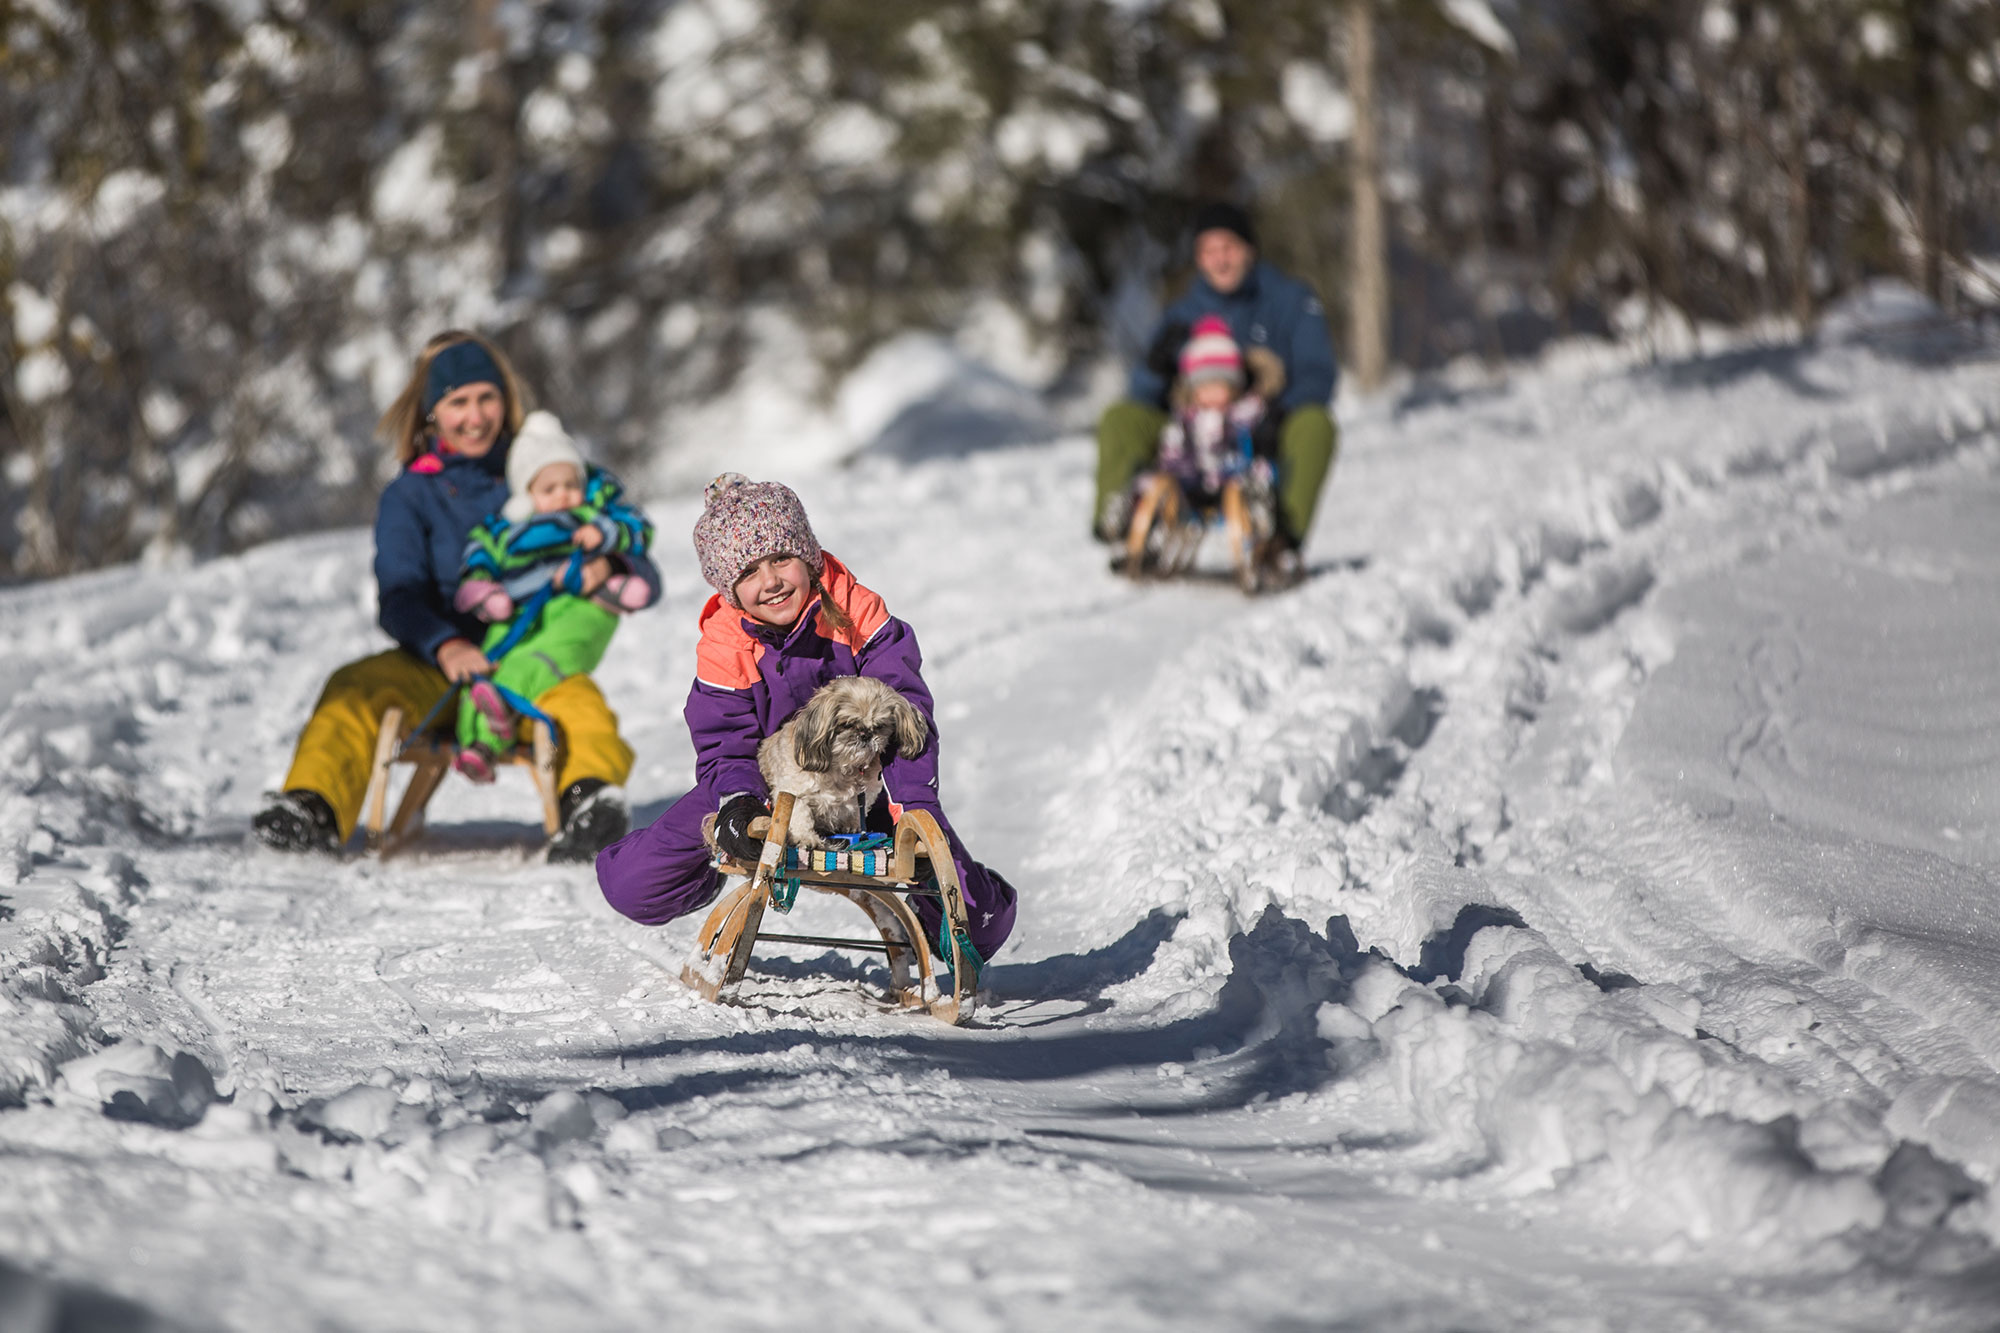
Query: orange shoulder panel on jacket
863	607
726	657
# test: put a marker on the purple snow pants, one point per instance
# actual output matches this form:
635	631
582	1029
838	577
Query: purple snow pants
662	871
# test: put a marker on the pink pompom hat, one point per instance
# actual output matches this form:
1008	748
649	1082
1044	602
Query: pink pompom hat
1211	353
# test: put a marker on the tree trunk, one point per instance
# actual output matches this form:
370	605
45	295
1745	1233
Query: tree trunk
497	100
1926	52
1799	195
1368	266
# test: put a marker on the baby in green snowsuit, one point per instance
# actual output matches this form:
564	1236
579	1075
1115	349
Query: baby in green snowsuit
524	571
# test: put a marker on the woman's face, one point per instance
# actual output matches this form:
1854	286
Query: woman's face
468	419
775	589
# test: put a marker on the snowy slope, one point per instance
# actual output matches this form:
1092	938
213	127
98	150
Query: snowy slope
1571	908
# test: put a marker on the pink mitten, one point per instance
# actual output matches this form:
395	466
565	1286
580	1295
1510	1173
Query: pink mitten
485	599
625	592
1246	411
1207	430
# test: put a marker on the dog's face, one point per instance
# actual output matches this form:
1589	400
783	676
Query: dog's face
852	725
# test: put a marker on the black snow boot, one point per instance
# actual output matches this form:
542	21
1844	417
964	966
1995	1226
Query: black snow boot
297	821
593	817
1284	565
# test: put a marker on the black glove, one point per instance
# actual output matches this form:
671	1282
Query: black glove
732	827
1163	358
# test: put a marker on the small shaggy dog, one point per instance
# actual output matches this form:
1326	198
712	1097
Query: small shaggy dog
830	753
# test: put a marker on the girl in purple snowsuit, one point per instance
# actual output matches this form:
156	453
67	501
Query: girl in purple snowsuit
786	618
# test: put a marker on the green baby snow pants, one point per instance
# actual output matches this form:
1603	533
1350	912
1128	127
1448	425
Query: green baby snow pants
569	641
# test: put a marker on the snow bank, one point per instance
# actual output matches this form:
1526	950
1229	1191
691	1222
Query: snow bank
917	396
55	938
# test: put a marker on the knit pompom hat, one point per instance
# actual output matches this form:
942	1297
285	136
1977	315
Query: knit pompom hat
741	522
1211	353
542	442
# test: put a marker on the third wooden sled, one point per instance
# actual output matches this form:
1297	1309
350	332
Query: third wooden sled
879	882
1167	531
432	756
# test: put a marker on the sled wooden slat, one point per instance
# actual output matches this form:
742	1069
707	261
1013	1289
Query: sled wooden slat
386	741
1159	505
1242	536
723	947
542	758
431	757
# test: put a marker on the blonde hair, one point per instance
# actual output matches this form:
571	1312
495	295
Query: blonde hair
404	426
829	610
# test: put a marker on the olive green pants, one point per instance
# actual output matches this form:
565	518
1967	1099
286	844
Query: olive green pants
1128	440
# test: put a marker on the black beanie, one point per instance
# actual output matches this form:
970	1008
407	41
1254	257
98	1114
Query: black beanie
1226	217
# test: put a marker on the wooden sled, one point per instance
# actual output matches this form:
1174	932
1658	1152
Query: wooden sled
881	886
432	757
1167	530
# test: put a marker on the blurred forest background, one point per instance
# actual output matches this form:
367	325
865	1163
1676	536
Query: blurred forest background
225	225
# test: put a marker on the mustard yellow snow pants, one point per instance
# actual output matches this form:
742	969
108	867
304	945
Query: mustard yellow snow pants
337	747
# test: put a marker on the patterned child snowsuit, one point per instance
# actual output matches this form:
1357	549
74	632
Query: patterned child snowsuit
1202	449
749	678
570	633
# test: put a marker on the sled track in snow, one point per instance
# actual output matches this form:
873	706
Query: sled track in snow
1367	962
1348	712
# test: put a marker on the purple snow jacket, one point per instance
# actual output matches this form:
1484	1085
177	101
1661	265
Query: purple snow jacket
749	678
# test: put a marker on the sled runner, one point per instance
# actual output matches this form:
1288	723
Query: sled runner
432	756
879	880
1168	526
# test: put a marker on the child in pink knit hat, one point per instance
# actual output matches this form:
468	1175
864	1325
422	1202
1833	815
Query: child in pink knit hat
1221	423
786	618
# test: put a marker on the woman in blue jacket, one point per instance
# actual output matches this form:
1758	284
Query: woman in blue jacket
451	428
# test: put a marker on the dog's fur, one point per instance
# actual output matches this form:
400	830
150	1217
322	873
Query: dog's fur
830	753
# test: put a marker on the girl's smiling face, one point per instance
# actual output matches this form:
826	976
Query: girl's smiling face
774	591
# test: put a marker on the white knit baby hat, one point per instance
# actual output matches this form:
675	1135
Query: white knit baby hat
541	441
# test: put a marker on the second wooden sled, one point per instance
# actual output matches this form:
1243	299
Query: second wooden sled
879	883
1167	530
432	757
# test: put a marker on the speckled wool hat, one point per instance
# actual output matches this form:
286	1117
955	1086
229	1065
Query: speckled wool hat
741	522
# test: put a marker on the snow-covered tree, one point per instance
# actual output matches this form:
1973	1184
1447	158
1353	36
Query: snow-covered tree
224	227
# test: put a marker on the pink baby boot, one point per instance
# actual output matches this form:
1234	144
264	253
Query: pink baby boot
475	761
483	598
488	701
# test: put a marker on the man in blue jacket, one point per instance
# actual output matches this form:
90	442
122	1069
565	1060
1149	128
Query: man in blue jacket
1264	308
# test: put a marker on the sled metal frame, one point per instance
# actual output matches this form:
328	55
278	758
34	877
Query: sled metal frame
732	930
432	755
1166	532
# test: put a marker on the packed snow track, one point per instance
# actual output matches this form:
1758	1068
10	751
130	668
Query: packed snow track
1574	907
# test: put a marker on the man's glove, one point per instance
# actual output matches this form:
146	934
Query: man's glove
732	827
1163	358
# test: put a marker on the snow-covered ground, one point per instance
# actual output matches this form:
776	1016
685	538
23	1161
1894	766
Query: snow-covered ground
1574	908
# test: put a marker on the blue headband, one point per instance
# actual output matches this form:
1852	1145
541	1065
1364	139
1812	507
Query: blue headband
457	366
